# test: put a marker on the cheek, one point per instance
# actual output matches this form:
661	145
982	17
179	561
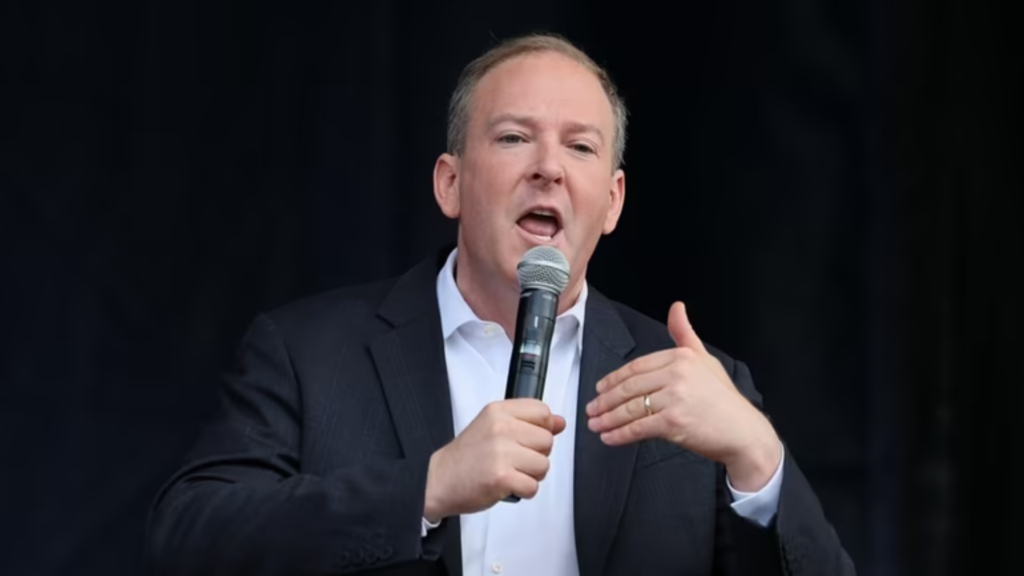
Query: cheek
501	176
591	207
483	210
492	189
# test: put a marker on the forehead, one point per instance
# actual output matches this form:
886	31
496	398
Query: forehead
548	86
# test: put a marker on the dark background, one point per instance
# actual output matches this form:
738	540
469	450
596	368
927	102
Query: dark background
834	188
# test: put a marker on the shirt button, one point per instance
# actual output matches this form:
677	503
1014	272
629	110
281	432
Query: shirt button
496	567
488	330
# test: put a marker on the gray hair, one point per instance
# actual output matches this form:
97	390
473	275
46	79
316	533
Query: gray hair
458	106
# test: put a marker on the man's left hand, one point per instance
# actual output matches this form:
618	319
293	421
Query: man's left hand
691	402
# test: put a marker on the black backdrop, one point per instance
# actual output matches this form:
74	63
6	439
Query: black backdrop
834	188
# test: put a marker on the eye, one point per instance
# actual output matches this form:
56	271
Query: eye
511	139
583	148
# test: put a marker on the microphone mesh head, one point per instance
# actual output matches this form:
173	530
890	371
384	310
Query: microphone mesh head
543	267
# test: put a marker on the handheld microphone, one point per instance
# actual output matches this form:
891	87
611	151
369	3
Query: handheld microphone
543	274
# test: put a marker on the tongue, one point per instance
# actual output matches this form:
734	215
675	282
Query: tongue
545	226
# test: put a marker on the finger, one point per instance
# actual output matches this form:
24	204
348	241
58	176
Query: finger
625	413
527	409
536	438
681	330
522	485
558	424
647	363
630	388
642	429
531	463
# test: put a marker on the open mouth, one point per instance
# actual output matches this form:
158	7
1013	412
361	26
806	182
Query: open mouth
541	224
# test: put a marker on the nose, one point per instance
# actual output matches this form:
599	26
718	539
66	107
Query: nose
548	168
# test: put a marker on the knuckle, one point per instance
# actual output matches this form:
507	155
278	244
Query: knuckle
491	480
545	468
499	456
538	410
674	418
531	490
681	370
673	395
635	407
549	442
501	479
628	388
496	427
491	412
545	411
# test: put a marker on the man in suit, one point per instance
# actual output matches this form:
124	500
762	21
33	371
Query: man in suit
365	429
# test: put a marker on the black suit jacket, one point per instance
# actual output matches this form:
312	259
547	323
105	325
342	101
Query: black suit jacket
318	462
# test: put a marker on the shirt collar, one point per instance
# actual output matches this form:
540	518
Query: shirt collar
455	312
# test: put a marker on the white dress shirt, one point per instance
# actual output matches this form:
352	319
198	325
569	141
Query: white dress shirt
532	537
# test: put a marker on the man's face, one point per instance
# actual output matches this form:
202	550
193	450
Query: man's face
537	167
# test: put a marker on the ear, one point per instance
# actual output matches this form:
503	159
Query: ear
617	196
446	184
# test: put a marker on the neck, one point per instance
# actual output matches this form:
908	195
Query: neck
493	299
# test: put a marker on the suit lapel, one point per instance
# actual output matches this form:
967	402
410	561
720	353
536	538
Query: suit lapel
410	362
602	473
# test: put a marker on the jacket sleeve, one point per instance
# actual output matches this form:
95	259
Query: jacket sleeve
242	504
800	541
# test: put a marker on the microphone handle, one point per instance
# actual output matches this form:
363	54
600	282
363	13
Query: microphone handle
535	326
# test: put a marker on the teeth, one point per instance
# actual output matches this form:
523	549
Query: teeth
543	213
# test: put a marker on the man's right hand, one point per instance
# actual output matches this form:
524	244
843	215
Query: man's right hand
503	451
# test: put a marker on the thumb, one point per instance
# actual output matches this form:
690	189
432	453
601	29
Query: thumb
557	424
681	330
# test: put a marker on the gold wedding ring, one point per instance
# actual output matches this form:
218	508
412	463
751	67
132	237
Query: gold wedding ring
647	405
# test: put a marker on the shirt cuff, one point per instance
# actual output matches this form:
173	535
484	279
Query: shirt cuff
760	506
426	526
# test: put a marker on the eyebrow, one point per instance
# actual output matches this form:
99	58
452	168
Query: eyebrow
571	126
